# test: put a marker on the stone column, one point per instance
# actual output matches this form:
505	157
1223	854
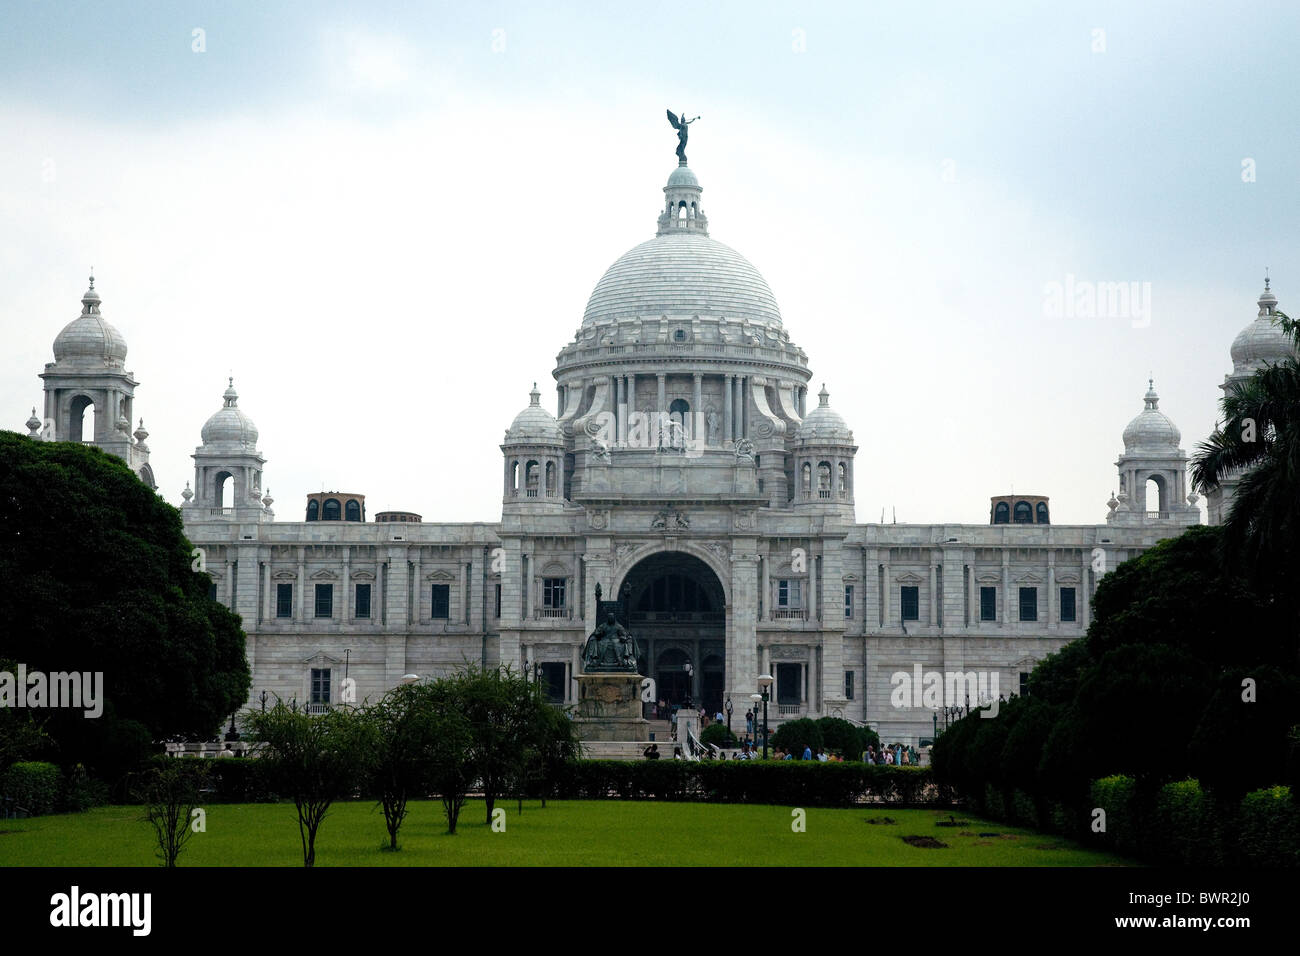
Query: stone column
742	636
377	610
1006	588
726	409
660	407
885	589
571	687
812	584
462	596
347	584
934	594
738	408
1053	614
302	580
767	585
1085	599
631	396
417	600
974	589
697	410
268	596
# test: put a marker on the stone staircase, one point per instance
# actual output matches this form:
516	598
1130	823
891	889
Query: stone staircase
632	749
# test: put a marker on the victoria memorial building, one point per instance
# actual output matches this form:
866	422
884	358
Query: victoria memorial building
692	472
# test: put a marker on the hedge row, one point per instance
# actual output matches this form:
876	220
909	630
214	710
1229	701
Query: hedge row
1177	823
32	787
787	783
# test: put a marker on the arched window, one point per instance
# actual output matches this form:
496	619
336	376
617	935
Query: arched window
681	210
550	479
353	510
824	480
807	480
330	510
1155	493
1002	513
694	211
313	510
1023	514
844	480
514	478
1042	513
531	479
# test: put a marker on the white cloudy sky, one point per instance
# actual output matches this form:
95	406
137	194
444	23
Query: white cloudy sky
385	219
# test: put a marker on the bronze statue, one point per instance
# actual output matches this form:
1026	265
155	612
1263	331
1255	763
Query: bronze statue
610	649
680	125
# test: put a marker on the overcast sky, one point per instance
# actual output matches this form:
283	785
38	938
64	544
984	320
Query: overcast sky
385	219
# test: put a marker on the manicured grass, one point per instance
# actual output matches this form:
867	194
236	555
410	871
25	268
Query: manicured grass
565	833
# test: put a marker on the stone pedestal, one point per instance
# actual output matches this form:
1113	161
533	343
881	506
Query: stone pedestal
609	708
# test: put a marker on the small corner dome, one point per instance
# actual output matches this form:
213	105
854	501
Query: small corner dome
229	424
1263	339
824	424
535	425
89	335
1152	429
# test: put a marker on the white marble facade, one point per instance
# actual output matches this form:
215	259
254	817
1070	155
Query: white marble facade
688	472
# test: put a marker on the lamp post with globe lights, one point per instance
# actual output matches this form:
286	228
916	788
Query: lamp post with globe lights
764	686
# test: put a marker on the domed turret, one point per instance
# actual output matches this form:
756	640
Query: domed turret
534	459
534	425
1262	340
1151	430
228	466
1152	472
89	338
824	424
229	424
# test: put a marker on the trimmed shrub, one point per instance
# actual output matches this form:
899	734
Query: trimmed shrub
1183	826
33	786
718	735
794	735
1268	832
81	792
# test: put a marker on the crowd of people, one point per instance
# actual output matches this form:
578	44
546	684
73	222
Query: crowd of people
895	755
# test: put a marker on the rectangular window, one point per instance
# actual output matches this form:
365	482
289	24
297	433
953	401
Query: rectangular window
553	594
212	591
363	600
324	600
910	602
788	684
553	680
440	602
988	604
848	685
789	594
848	600
1029	604
1067	604
320	685
1024	683
284	600
496	612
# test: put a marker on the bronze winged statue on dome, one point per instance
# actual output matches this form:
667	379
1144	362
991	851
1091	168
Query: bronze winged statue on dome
680	125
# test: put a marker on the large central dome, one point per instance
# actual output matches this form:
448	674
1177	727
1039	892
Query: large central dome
682	274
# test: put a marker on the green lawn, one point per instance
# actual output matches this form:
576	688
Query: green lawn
566	833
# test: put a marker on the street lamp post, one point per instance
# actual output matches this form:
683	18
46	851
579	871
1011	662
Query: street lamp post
728	709
764	683
756	698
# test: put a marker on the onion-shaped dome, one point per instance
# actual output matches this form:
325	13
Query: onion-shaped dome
823	424
89	337
1261	341
534	425
1151	430
229	424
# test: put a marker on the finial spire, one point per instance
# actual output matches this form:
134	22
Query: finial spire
1266	278
92	277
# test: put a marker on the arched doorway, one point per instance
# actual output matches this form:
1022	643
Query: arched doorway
676	608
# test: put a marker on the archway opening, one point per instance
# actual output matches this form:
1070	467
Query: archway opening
81	420
223	492
676	608
1155	494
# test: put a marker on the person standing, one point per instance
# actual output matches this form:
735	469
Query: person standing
749	722
807	752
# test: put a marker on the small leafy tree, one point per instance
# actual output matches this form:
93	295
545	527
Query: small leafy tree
402	727
313	759
171	793
718	735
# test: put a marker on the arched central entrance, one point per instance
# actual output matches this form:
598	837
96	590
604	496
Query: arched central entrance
675	607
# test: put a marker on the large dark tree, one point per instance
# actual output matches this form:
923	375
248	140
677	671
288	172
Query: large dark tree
97	577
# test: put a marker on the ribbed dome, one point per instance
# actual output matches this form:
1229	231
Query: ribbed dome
534	425
89	337
229	424
682	274
682	176
823	424
1151	430
1262	340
